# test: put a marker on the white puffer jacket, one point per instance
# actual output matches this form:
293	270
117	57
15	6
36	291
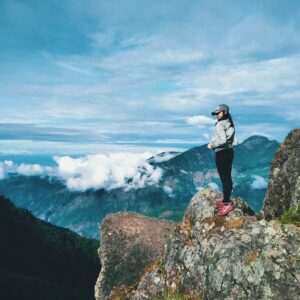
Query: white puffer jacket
224	136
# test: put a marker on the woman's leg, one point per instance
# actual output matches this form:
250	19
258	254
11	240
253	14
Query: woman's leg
224	159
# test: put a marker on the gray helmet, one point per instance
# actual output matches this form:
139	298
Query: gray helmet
219	108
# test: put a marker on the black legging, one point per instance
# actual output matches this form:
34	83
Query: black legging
224	159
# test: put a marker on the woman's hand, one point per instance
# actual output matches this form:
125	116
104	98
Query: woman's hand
209	146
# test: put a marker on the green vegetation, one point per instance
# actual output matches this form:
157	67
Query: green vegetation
291	216
41	261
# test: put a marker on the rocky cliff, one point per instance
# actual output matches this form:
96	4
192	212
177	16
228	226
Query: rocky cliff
284	181
240	256
232	257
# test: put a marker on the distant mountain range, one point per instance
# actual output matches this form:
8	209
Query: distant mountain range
183	174
41	261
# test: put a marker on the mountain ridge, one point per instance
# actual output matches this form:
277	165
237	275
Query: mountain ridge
183	175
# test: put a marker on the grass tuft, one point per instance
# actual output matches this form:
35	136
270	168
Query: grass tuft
291	216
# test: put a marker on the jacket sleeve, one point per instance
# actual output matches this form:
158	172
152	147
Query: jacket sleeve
229	132
219	137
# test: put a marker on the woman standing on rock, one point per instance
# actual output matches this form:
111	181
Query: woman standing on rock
222	144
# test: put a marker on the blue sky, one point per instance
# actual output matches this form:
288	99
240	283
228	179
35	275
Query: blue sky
104	76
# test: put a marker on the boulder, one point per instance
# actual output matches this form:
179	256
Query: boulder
129	242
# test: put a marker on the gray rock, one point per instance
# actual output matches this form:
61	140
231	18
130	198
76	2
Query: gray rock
231	257
284	181
130	242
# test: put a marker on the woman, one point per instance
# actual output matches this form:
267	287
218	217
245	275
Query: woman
222	144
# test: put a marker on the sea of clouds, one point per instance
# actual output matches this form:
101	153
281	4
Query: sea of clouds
95	171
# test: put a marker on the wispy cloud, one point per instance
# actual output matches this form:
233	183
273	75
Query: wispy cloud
200	121
9	131
70	64
147	73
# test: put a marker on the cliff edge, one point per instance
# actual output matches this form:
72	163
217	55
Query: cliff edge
283	190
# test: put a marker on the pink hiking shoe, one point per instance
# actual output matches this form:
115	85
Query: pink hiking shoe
219	203
225	209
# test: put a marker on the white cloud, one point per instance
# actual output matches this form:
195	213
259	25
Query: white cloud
4	167
168	190
30	169
171	56
157	51
267	77
9	166
108	171
13	152
2	171
259	182
63	148
160	157
184	101
214	186
200	121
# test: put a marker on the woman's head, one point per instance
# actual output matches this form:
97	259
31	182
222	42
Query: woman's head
221	114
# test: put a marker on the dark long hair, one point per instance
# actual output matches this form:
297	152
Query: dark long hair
227	116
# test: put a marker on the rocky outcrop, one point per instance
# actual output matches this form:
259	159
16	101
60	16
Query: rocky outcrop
231	257
284	181
212	257
129	242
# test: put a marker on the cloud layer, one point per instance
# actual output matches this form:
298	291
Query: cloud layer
107	171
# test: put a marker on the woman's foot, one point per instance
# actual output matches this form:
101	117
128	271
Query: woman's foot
219	203
225	209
